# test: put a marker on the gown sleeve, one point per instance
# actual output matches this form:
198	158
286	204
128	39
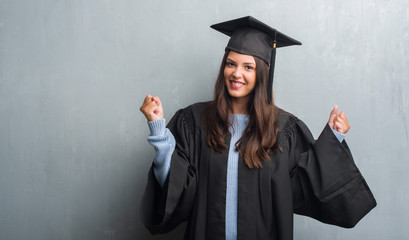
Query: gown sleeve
163	208
326	183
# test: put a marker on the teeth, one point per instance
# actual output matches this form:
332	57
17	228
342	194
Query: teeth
237	84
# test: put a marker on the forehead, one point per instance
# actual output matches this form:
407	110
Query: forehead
238	57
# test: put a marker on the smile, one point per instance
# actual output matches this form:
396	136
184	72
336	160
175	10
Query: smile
236	84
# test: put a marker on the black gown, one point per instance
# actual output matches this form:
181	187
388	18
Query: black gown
316	178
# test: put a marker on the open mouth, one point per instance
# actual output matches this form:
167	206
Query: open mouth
236	84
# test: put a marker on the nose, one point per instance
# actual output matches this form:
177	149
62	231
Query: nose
237	73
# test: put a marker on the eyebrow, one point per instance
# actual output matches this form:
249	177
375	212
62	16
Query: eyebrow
247	63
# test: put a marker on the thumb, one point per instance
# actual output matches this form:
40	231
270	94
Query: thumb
335	110
159	109
333	115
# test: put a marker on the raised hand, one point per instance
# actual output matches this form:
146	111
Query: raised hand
338	121
152	108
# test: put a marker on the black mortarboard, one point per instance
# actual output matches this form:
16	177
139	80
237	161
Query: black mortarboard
252	37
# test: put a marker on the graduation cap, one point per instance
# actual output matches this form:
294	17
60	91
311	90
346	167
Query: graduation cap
251	37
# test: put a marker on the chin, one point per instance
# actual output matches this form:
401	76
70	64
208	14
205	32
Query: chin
238	95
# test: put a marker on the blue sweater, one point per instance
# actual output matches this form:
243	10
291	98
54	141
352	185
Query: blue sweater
164	143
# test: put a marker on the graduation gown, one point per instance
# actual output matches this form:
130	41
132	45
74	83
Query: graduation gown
316	178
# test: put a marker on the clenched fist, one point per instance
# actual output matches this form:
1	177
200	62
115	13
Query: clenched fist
338	121
152	108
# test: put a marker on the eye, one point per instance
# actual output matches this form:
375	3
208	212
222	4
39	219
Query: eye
249	68
229	64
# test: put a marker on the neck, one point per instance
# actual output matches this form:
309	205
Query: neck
239	105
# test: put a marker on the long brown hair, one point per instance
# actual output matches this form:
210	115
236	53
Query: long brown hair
260	136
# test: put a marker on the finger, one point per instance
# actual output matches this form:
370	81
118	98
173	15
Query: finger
334	110
148	108
341	115
147	101
157	109
152	107
157	100
342	119
342	126
332	115
338	126
159	104
147	98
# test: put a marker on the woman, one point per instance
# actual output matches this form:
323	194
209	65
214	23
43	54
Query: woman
238	167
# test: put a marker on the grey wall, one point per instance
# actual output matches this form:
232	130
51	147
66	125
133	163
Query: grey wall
73	150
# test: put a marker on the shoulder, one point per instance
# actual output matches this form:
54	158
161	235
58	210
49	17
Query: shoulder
192	114
286	121
291	128
196	109
288	126
289	122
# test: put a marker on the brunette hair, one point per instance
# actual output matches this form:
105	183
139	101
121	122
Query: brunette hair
260	136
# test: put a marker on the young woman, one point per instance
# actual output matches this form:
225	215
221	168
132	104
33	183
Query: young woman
238	167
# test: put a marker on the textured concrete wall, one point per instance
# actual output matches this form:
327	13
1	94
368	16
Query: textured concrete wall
73	150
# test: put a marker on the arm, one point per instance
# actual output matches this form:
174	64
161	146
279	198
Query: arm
164	206
326	183
160	138
164	144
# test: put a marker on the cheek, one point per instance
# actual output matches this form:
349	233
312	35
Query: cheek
252	80
226	73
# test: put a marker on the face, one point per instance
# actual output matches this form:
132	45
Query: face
240	75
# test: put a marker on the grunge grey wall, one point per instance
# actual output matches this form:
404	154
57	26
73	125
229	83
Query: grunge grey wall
73	74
